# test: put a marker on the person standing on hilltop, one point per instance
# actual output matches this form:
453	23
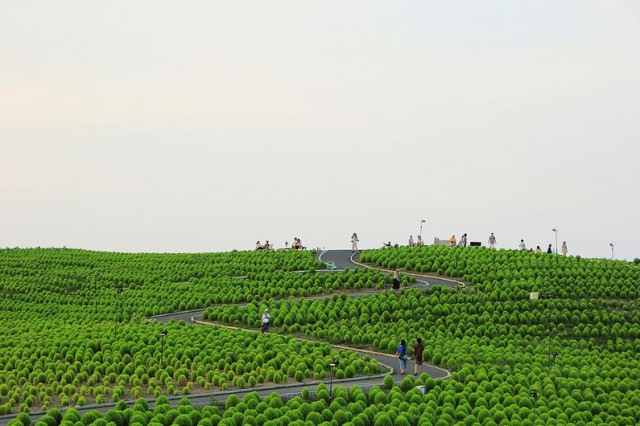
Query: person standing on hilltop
410	240
492	241
564	250
452	241
354	242
550	249
522	245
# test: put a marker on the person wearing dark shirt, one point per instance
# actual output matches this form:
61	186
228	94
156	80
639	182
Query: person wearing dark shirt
418	350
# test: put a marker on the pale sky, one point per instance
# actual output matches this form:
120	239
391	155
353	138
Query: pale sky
207	125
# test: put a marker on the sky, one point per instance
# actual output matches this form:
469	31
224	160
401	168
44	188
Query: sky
165	126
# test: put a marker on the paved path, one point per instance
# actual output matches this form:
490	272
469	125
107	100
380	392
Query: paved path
343	259
347	259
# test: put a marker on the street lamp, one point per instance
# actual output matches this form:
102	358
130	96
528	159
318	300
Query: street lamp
118	291
611	244
163	334
332	365
95	288
456	274
421	222
534	396
556	231
549	324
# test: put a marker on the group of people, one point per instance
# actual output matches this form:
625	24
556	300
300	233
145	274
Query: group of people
464	240
563	249
296	245
418	353
418	243
265	246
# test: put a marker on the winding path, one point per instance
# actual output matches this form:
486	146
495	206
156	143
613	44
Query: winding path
342	259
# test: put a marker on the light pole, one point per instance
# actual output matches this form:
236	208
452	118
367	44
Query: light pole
163	334
611	244
118	291
421	222
456	274
332	365
549	324
556	232
534	396
95	289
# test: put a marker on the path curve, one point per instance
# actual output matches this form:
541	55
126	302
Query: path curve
343	259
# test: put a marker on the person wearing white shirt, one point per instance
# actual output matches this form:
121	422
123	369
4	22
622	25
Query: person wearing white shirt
266	318
492	241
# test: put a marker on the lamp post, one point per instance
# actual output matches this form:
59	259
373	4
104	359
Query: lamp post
118	291
611	244
549	324
332	365
456	273
163	334
534	396
421	222
556	232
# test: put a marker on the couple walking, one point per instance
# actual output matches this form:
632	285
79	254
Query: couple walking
418	351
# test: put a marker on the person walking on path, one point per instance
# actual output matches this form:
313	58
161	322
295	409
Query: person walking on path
354	242
410	240
463	239
564	250
492	241
418	350
401	354
549	249
266	318
396	279
522	246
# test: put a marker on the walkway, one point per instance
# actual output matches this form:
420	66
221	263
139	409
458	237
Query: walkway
342	259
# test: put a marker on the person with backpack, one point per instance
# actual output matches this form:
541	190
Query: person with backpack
265	321
401	354
418	350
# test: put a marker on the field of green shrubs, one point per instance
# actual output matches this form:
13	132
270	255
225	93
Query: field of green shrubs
71	338
75	330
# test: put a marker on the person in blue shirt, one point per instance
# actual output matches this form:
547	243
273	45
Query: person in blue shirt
401	353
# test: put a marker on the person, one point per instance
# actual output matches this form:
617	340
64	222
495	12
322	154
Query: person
387	244
354	242
418	350
410	240
286	244
267	246
549	249
463	239
492	241
266	318
564	250
401	354
538	249
420	242
452	241
396	278
522	246
259	246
